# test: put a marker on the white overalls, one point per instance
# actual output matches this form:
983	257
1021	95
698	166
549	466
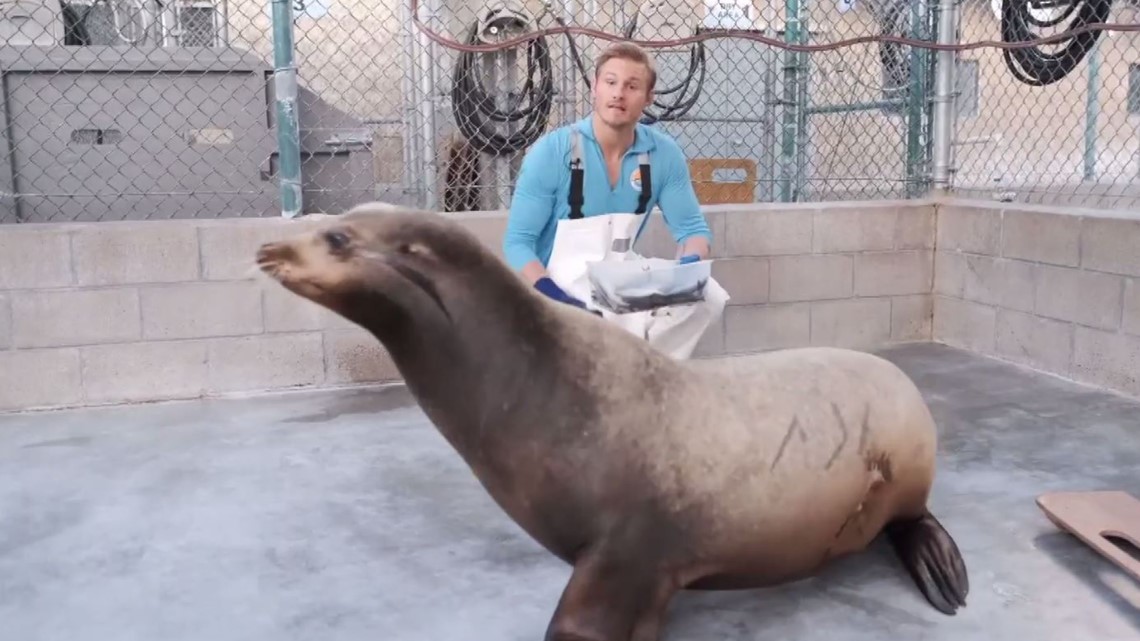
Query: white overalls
579	242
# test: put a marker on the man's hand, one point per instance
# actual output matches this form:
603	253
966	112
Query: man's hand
532	272
693	250
553	291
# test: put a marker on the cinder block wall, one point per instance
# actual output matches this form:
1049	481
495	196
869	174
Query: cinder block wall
1053	289
847	274
101	313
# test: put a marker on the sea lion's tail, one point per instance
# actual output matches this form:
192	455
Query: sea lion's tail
932	559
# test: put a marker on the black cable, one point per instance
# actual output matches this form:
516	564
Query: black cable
475	112
671	112
682	105
1031	65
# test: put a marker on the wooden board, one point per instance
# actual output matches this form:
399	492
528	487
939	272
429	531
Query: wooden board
1092	516
707	176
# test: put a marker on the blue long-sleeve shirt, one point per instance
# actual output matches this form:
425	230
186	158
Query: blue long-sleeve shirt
541	196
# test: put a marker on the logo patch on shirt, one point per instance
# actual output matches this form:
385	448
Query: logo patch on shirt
635	179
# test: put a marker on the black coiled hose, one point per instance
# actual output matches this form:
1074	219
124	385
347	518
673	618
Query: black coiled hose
1031	65
683	105
476	115
475	111
669	112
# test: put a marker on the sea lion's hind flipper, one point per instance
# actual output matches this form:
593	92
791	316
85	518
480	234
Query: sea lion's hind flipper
932	559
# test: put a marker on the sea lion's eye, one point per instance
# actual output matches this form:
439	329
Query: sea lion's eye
337	240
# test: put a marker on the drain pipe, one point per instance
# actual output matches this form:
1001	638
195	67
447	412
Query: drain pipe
943	134
285	97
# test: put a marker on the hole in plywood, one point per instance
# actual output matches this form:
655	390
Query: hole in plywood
729	175
1126	546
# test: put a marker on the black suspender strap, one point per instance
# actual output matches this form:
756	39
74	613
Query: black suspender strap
646	183
577	173
577	196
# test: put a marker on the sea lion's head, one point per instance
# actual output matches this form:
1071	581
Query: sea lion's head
379	264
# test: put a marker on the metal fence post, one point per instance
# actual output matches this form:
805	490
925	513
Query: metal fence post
1092	110
916	111
285	94
944	95
792	103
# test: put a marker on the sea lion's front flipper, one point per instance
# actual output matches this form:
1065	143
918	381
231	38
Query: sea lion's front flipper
932	559
611	597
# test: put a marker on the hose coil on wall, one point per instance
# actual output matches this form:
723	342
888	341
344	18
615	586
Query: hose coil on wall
476	114
1032	65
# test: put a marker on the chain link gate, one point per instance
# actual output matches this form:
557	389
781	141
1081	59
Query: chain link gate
154	109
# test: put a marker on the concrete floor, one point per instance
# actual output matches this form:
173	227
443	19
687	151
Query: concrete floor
344	516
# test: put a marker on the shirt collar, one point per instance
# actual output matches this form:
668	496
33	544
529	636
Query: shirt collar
642	140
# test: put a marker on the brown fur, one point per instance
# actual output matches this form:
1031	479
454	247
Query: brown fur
647	474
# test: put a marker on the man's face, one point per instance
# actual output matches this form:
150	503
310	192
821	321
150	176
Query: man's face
621	92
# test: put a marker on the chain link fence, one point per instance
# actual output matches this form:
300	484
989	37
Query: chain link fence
154	109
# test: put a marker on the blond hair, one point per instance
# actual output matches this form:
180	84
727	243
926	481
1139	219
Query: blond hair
627	51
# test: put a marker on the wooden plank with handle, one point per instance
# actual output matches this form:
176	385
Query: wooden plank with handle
1093	516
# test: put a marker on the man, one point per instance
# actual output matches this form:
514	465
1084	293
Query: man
614	150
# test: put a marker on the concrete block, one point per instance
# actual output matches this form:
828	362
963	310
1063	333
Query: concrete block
745	279
969	229
915	228
489	229
1087	298
949	274
894	273
265	362
287	312
1131	316
761	327
985	279
75	317
39	378
229	248
854	230
1109	245
5	322
355	356
965	324
1042	237
811	277
1108	359
1035	341
717	221
912	317
34	258
144	371
857	323
199	310
999	281
768	233
129	253
712	342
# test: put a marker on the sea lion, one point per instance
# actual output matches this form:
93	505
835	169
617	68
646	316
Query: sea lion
646	474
